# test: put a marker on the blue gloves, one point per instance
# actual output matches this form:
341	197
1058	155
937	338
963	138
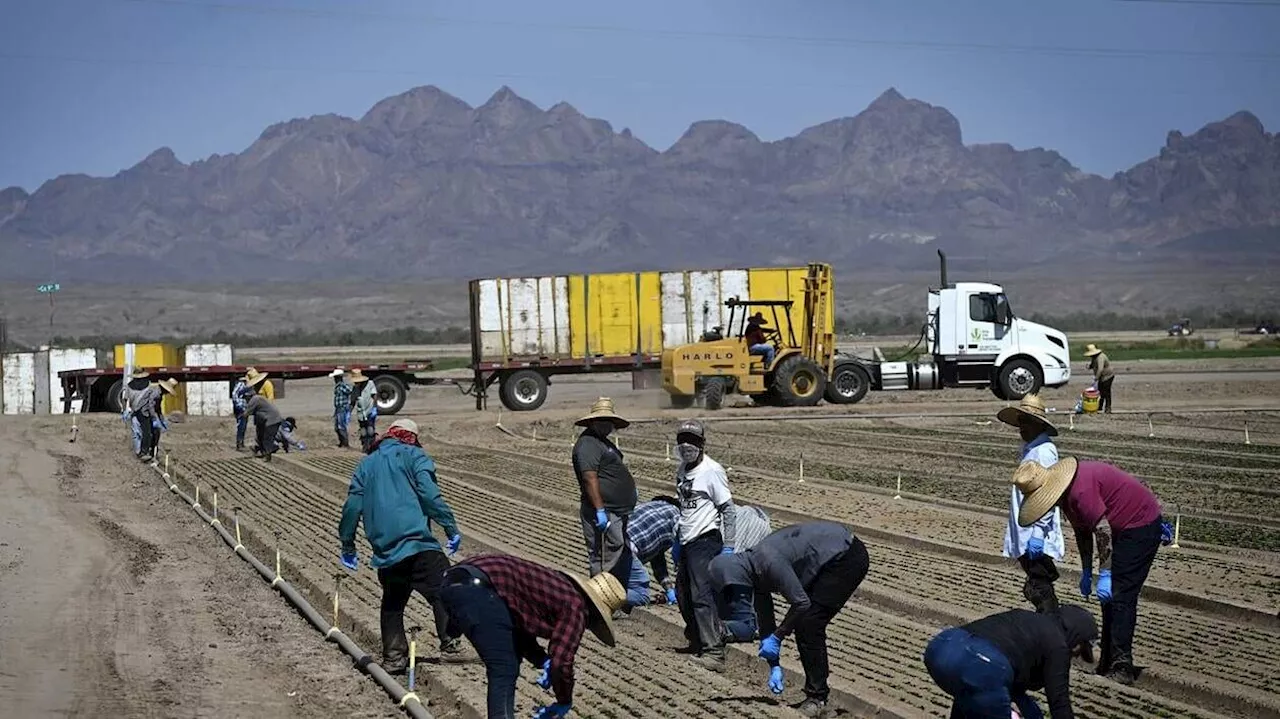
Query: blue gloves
770	648
726	550
544	679
452	545
302	445
555	710
602	519
1166	534
671	597
1086	582
1035	548
776	685
1104	585
350	560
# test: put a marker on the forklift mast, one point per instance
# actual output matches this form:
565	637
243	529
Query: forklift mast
819	343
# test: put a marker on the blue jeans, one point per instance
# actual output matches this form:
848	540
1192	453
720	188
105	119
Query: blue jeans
242	423
637	583
767	350
973	671
480	614
136	429
737	612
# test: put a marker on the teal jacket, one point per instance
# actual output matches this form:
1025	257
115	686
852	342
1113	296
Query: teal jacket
394	491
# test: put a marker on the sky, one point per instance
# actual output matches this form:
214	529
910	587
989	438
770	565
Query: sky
94	86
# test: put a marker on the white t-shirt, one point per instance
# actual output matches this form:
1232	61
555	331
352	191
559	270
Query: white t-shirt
700	491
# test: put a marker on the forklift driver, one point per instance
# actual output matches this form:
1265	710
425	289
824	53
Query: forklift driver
757	341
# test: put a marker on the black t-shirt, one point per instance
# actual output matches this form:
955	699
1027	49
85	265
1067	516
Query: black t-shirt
1037	649
617	488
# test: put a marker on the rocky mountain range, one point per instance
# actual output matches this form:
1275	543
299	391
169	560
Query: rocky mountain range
426	185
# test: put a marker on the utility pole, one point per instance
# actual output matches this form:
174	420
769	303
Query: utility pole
50	288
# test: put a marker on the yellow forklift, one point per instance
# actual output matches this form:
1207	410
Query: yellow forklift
803	371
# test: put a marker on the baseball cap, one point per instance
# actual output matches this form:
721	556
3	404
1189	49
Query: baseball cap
693	427
407	425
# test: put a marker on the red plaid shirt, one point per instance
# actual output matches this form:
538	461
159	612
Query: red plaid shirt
544	603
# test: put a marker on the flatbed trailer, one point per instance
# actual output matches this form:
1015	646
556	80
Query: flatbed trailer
523	382
100	388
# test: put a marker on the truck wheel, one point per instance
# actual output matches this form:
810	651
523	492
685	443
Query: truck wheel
713	394
1020	378
848	384
390	393
523	391
799	382
682	401
113	400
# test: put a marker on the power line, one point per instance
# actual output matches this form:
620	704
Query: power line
1224	3
931	45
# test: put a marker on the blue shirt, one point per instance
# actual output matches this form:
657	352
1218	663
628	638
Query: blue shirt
394	492
239	395
652	528
341	398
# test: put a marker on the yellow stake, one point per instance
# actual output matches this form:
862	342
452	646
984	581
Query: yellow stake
336	586
166	462
1072	417
236	513
1177	529
215	504
197	502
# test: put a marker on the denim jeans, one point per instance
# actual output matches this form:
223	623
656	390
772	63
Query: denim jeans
637	583
480	614
242	425
137	434
737	612
765	349
973	671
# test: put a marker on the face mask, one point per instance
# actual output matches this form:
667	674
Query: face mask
688	453
602	428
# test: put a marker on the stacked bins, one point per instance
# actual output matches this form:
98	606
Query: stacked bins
156	356
579	317
209	399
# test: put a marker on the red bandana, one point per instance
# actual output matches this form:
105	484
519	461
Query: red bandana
402	435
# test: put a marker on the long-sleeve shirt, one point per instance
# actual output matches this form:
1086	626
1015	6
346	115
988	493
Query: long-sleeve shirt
394	491
1038	651
143	401
268	390
240	396
1049	528
365	402
544	603
263	410
705	501
787	562
1103	499
341	398
752	527
651	531
1101	367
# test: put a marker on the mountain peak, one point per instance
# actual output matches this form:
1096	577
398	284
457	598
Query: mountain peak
161	160
417	107
505	108
889	97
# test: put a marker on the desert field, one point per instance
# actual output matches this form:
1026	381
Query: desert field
163	606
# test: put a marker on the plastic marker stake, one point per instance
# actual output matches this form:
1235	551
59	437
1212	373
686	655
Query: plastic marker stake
166	462
336	586
668	451
197	502
1246	433
899	494
802	466
413	660
215	505
1072	417
1177	530
1151	429
235	513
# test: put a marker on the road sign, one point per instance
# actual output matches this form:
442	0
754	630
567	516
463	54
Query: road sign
50	287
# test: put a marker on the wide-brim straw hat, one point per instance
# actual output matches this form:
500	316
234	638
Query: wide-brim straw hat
758	317
253	377
140	374
358	376
168	385
1031	406
603	409
1042	487
337	373
605	596
1091	349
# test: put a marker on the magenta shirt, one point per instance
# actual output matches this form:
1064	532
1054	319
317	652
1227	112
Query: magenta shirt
1101	490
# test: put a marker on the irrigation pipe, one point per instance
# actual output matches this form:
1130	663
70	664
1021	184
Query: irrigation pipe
406	700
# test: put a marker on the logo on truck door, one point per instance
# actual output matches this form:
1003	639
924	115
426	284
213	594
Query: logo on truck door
703	356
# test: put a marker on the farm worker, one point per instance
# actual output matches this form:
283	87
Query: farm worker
366	404
137	383
1111	509
239	398
708	527
341	406
266	423
394	491
146	408
607	492
739	616
1038	546
757	341
262	385
992	662
285	437
1103	375
503	604
651	531
817	566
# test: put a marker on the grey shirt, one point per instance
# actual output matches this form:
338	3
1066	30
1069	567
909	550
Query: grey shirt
617	487
787	562
143	401
262	410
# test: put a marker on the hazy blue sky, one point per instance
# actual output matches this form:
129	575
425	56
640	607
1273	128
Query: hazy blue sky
94	85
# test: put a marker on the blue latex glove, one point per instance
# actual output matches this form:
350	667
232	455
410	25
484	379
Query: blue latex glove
555	710
602	519
770	648
350	561
1035	548
776	685
452	545
544	679
302	445
671	597
1166	533
1086	583
726	550
1104	585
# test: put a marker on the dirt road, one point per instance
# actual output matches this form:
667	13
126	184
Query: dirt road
114	603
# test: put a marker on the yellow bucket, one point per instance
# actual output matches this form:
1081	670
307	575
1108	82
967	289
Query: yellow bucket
1090	401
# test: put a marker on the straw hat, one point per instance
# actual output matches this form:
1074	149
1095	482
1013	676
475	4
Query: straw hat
606	596
1091	349
759	318
253	377
1031	406
140	374
337	373
357	376
1041	487
603	409
168	385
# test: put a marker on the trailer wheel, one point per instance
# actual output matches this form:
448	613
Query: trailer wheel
713	394
799	382
113	399
390	393
523	391
849	383
1019	378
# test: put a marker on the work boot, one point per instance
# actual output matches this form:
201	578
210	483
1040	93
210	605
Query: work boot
712	659
811	707
1122	669
395	654
451	649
